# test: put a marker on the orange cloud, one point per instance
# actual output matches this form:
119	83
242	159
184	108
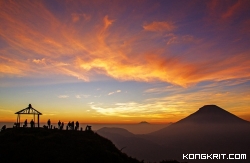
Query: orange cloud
175	39
226	11
159	26
83	45
12	67
39	61
67	49
76	17
232	9
107	22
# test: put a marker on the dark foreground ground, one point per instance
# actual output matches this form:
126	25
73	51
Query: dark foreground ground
43	145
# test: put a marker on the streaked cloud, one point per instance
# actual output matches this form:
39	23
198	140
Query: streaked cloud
78	96
232	9
49	114
163	89
76	17
151	109
185	39
39	61
223	13
107	22
82	95
110	93
177	104
63	96
65	49
7	110
159	26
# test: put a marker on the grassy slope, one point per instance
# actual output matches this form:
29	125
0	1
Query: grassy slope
41	145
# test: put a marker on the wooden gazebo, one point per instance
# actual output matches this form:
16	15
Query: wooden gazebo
28	110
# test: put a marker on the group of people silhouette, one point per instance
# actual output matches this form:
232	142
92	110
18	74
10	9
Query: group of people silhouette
25	124
60	125
70	125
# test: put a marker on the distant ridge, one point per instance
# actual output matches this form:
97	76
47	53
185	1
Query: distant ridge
114	130
144	122
132	144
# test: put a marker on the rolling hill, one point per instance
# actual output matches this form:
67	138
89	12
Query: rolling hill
132	144
43	145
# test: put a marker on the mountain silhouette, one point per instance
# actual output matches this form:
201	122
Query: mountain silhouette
144	122
106	131
132	144
209	130
210	114
208	119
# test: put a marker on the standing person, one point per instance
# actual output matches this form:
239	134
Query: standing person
72	125
59	124
49	123
61	128
25	123
32	123
77	125
69	125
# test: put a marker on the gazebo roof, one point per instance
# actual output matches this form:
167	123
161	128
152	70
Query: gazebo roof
29	110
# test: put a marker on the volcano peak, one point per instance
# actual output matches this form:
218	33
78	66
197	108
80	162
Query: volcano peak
211	114
211	109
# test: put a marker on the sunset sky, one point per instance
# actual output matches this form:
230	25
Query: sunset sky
123	61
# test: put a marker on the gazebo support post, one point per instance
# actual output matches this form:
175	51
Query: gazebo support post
18	120
38	120
34	120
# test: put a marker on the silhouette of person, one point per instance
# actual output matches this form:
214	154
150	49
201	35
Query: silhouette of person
32	123
25	123
3	128
69	125
61	127
72	125
77	125
49	123
16	125
59	124
88	128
